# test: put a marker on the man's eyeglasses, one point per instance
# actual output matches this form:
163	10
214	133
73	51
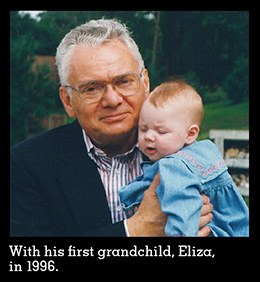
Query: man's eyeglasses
92	91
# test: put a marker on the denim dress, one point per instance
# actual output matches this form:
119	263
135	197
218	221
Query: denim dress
194	170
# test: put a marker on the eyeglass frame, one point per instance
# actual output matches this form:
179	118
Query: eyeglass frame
105	87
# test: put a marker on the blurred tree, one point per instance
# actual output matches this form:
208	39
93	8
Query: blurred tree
205	42
31	92
236	84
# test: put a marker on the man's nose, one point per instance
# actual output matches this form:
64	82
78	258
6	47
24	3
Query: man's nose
111	97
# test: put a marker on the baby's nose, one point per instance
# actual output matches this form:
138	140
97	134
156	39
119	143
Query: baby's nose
149	136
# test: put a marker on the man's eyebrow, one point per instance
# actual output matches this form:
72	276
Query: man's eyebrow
103	79
89	82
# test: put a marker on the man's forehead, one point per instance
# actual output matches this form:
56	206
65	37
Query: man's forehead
102	62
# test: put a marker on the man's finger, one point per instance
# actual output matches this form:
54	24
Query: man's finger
205	219
155	183
205	199
204	232
208	208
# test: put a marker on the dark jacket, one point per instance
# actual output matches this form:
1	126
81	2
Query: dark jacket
56	189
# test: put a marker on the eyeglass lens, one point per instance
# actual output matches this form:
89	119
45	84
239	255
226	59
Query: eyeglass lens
127	84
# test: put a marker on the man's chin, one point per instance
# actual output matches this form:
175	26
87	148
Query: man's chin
116	129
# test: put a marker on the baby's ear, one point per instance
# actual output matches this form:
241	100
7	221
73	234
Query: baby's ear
192	134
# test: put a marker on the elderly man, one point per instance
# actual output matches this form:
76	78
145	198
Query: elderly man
65	182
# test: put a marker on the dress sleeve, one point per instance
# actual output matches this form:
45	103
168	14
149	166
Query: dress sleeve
179	197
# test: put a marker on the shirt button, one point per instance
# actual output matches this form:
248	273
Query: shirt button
117	171
119	208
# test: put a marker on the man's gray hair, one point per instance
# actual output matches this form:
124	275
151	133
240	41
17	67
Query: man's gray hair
93	33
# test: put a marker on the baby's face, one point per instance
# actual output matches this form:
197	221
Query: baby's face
162	130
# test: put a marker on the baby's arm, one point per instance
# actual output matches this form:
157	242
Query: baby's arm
179	198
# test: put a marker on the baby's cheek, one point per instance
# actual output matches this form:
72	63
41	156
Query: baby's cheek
168	148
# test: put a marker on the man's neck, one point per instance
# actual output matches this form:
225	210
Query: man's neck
117	146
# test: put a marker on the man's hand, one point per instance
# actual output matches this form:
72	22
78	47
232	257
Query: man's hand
149	220
205	217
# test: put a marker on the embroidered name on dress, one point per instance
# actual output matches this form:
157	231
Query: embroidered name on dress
199	167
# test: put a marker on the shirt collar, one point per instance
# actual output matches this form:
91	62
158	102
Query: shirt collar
91	147
96	153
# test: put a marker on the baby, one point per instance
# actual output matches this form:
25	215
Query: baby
169	124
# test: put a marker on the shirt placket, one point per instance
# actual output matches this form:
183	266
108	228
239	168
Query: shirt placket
114	184
115	172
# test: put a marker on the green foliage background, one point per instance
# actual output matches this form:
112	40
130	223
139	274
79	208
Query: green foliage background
208	48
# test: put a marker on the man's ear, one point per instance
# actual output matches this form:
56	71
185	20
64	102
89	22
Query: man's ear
192	134
66	101
146	82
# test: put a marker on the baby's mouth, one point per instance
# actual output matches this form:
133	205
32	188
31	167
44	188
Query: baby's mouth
151	150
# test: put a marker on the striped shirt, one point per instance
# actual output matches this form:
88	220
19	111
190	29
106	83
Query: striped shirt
115	172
